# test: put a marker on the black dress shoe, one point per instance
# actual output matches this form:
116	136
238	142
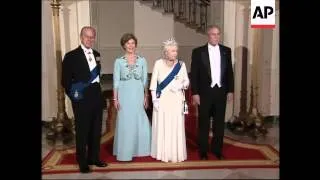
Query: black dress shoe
85	169
219	156
203	156
98	163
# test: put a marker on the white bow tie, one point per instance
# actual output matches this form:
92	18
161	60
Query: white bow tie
88	51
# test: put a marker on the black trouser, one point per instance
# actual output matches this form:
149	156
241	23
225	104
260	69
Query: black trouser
88	123
212	103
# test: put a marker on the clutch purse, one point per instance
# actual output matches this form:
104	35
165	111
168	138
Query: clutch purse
185	104
185	107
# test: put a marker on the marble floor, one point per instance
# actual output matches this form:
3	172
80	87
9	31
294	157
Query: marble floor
271	138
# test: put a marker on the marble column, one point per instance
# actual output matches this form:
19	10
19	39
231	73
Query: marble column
264	72
267	58
229	22
249	65
228	36
49	71
256	66
241	58
274	93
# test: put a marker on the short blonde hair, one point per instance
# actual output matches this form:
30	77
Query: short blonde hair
170	42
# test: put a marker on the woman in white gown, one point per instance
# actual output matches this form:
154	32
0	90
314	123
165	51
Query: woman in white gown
168	81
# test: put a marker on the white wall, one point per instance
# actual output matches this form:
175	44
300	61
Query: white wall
112	18
150	26
187	39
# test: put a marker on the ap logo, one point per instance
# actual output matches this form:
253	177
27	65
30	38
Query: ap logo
263	13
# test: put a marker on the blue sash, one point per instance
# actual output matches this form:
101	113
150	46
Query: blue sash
168	79
76	91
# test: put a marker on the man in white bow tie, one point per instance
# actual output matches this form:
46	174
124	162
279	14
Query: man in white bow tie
212	85
81	80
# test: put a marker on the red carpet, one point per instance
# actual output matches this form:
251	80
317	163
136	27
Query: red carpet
237	155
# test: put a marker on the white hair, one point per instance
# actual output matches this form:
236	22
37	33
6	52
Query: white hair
170	42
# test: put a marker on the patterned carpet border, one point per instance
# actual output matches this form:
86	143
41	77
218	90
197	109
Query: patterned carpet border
50	164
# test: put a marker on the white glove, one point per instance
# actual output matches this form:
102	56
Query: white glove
155	100
185	84
156	104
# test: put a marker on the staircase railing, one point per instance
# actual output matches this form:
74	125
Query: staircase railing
193	13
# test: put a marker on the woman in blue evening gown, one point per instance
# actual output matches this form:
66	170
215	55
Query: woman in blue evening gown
133	130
